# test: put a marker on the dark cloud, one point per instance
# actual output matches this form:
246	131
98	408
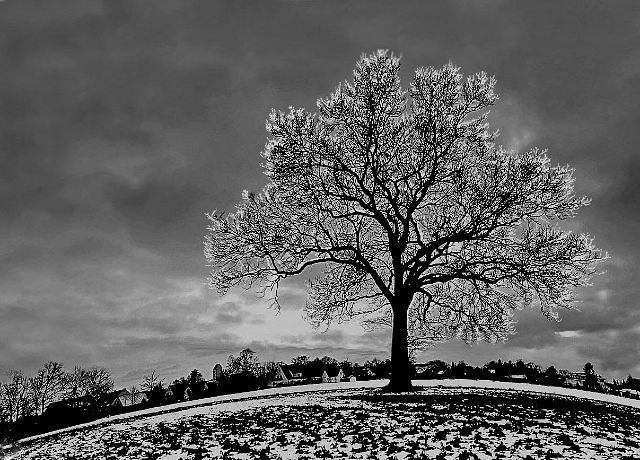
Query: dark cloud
123	122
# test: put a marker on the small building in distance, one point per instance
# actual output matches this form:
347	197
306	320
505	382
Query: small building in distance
79	403
279	377
138	397
631	388
293	374
363	373
177	391
332	374
571	378
286	374
125	398
429	370
216	374
289	374
577	379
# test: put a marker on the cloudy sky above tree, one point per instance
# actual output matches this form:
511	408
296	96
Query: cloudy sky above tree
122	123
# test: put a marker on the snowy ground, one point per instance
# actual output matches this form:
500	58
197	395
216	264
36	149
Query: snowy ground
451	419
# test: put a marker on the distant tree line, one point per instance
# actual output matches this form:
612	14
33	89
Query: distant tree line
54	398
24	399
494	370
529	372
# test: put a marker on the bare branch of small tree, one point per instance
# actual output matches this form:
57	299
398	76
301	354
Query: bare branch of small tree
4	409
151	381
246	361
47	386
15	394
133	394
88	382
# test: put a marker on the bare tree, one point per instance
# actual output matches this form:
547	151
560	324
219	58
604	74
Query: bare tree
133	394
4	410
153	385
47	386
246	361
75	382
409	211
98	381
88	382
16	396
151	381
301	360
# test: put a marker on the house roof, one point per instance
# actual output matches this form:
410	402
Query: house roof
71	402
115	393
108	398
333	371
431	365
290	370
178	388
631	390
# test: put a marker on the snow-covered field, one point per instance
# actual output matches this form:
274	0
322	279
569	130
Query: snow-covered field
451	419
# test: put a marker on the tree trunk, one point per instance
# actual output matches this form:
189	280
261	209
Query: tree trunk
400	368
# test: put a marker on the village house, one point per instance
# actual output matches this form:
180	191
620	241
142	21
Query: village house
280	377
576	379
183	391
124	398
117	398
363	373
216	374
332	375
288	374
178	392
79	403
292	374
516	377
431	369
630	393
571	378
631	388
138	397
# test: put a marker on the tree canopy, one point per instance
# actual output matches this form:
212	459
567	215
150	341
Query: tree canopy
88	382
406	211
247	361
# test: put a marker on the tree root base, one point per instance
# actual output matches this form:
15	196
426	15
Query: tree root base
389	388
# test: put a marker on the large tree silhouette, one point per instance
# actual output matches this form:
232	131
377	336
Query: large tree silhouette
411	214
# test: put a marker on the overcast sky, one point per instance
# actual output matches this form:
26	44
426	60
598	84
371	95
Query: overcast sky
123	122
